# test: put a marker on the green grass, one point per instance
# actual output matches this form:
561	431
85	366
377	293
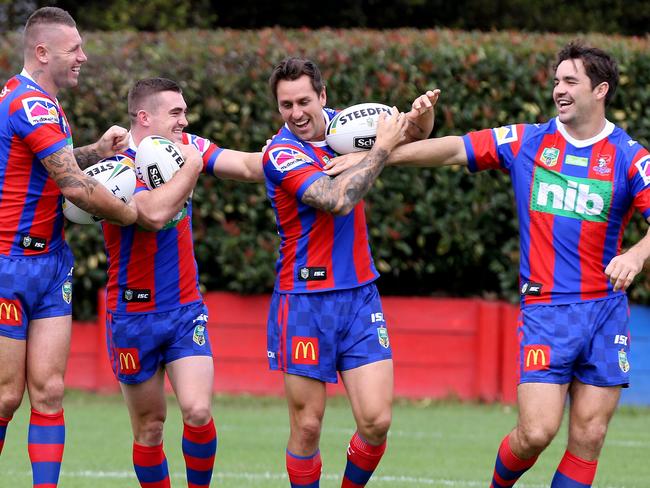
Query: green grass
431	444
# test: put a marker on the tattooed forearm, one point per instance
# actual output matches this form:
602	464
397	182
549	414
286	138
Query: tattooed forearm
86	156
339	195
63	169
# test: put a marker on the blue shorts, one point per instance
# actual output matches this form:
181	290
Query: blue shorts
139	343
589	341
34	287
318	334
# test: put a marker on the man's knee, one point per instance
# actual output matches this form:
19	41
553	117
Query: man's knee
197	415
47	396
535	438
375	428
10	400
308	428
589	436
149	432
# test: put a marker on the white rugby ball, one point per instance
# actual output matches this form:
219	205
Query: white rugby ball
355	128
157	159
116	174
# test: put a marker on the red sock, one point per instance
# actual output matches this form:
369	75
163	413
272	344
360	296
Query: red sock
508	468
3	431
150	466
199	449
363	458
574	472
46	438
304	471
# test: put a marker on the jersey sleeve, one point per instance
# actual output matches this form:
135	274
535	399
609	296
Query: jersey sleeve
37	121
493	148
290	168
209	151
639	181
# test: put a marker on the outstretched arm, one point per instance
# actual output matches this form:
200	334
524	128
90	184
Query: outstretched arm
442	151
239	165
622	269
339	195
114	140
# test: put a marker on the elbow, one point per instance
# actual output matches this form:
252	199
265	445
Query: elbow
152	224
341	210
76	195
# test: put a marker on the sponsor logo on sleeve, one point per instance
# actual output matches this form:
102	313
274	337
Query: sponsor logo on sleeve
537	357
304	350
287	158
11	313
40	111
505	134
643	165
129	360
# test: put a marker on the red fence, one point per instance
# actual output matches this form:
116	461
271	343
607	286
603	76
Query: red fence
464	348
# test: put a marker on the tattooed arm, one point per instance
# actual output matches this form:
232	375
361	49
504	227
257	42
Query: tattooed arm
114	140
339	195
86	192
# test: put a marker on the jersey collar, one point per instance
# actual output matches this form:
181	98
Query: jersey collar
607	130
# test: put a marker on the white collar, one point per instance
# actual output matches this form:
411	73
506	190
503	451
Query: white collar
607	130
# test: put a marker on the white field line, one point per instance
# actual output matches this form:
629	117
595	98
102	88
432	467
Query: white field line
267	475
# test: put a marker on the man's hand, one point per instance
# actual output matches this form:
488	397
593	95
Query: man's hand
421	116
391	130
113	141
622	269
192	157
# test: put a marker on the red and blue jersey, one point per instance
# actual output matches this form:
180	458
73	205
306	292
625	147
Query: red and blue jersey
32	127
319	251
155	271
574	199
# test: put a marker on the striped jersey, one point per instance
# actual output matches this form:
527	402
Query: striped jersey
318	250
155	271
574	199
32	127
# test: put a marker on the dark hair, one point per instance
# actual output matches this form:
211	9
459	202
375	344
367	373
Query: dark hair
143	89
292	69
599	65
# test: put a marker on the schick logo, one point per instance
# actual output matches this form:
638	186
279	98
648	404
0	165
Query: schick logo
577	198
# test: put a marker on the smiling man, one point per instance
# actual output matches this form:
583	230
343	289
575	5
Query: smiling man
38	166
577	179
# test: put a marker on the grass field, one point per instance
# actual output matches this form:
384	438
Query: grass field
430	445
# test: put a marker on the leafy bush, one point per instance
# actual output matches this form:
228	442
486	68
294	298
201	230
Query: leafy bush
432	231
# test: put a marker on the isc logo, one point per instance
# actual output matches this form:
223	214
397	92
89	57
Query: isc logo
577	198
376	317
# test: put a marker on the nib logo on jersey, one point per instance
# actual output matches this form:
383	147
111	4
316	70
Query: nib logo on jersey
569	196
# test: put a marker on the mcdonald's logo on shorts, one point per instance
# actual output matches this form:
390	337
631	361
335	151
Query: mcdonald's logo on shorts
537	357
129	360
304	350
11	313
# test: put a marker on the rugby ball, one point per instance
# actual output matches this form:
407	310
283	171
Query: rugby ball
355	128
116	174
156	160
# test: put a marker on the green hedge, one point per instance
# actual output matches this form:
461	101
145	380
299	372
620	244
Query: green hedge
434	232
